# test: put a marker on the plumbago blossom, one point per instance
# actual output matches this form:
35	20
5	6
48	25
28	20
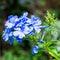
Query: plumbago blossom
35	49
19	27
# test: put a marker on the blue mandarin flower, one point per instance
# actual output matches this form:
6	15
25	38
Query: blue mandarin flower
19	27
35	49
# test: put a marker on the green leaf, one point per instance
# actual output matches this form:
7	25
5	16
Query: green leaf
52	53
54	49
40	51
51	42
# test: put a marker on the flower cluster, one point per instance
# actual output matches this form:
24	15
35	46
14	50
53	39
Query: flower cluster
19	27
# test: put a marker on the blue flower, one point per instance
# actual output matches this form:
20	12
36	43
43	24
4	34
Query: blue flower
31	33
9	25
25	14
19	40
43	27
5	37
18	33
35	49
11	39
35	23
27	29
40	41
19	27
10	16
35	20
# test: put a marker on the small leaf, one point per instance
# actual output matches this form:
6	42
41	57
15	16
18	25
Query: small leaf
54	49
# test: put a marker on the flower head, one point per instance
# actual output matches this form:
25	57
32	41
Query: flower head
19	27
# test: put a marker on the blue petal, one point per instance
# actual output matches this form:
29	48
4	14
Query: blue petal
35	49
37	29
40	41
22	27
19	40
43	26
30	25
31	33
22	20
25	13
11	39
34	18
8	30
33	52
5	37
10	17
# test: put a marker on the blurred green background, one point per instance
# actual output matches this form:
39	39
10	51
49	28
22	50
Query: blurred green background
18	7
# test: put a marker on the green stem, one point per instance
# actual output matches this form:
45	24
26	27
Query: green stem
53	54
43	35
